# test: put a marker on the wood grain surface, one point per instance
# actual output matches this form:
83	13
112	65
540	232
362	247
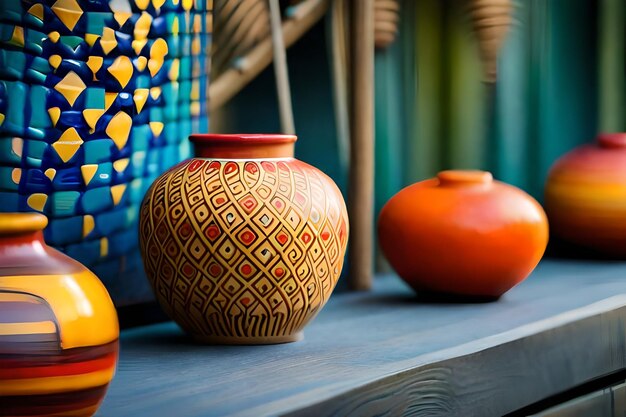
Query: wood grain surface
389	353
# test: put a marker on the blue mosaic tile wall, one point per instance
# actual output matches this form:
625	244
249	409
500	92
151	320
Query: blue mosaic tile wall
97	98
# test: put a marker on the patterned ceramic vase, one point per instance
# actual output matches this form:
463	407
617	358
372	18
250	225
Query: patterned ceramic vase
585	195
58	326
464	234
243	244
97	98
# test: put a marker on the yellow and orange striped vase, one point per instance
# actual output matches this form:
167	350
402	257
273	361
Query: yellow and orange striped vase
585	196
58	327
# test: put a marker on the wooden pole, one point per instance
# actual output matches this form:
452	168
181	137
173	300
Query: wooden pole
361	188
280	70
229	83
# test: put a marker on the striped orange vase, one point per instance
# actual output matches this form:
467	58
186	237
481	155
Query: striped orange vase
585	196
58	327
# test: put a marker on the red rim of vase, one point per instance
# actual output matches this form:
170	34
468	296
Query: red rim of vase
612	140
242	138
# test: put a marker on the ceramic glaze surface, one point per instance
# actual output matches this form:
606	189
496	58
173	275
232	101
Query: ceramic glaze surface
463	233
243	250
585	195
96	98
58	326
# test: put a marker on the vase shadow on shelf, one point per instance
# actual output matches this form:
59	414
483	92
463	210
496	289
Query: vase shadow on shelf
560	249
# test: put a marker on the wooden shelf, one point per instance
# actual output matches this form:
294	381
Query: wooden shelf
385	351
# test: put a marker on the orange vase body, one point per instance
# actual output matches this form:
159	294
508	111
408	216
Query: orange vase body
585	195
58	327
463	233
243	244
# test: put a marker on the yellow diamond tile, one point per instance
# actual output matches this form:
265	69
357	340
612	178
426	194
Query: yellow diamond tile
156	127
109	98
138	45
1	119
140	97
37	11
195	90
104	247
119	129
194	108
108	41
158	49
55	61
155	92
121	164
37	201
54	36
54	113
174	70
117	191
16	175
122	70
91	38
187	4
142	4
68	144
88	224
142	26
196	46
175	26
17	145
94	63
17	38
88	171
158	3
154	65
68	12
50	173
92	116
141	62
70	87
121	17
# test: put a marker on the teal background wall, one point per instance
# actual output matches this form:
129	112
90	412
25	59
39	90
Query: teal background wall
561	80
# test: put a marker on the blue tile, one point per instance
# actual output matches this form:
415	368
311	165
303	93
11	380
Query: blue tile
10	202
86	252
64	231
98	151
36	182
7	175
63	203
67	179
96	200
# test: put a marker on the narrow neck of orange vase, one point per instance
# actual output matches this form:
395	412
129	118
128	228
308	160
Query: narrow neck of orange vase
243	146
612	140
464	178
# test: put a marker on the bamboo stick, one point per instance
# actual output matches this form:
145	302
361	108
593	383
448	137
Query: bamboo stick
361	188
337	40
280	69
304	16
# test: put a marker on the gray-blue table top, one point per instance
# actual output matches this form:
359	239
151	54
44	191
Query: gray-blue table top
385	351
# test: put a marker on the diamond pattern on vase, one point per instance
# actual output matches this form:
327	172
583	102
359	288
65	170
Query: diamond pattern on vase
95	102
260	266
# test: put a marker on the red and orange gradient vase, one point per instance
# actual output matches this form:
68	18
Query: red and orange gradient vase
463	234
585	196
58	327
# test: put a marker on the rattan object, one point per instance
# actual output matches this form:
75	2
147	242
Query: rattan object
491	20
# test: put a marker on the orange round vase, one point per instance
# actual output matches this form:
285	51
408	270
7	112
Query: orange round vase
243	244
585	195
463	233
58	327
